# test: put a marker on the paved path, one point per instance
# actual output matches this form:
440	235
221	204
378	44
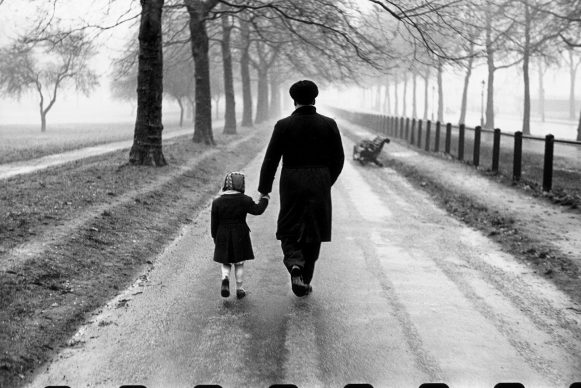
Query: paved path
557	225
29	166
404	295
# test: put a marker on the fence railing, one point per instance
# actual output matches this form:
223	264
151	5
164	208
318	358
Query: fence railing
477	146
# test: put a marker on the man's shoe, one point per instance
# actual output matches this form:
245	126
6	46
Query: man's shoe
240	293
225	288
297	284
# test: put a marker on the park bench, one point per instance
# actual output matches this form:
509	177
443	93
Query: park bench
368	150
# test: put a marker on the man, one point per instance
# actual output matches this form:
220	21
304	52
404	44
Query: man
312	159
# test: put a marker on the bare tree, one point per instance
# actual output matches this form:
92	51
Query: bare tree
46	67
266	56
440	91
199	12
230	110
573	60
497	29
426	77
178	81
245	73
146	149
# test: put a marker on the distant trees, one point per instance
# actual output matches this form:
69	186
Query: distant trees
46	67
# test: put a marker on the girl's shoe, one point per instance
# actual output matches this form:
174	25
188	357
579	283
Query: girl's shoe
225	288
240	293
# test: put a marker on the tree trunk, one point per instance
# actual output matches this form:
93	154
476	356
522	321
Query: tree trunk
199	38
245	75
42	121
387	101
541	91
405	94
262	98
287	102
396	94
414	96
579	128
274	96
189	110
440	93
489	123
466	83
572	77
179	100
526	121
192	109
147	147
426	91
230	112
377	103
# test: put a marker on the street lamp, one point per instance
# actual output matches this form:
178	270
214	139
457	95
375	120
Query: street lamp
482	106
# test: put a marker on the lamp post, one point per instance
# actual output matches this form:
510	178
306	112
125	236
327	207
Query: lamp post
482	106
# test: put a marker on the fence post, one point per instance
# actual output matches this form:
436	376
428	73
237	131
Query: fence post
407	129
401	127
437	139
496	150
476	153
517	157
428	128
419	133
448	137
413	134
461	134
385	124
548	167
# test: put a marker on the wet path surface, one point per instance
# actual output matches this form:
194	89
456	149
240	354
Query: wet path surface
403	295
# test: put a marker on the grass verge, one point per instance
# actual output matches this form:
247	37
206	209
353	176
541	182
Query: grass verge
25	142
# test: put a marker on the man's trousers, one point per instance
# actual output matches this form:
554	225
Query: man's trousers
303	255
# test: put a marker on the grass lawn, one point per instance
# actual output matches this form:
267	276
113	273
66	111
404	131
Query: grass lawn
566	187
23	142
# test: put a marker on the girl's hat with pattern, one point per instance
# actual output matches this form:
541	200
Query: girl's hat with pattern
234	181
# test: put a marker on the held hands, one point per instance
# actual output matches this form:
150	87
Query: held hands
265	196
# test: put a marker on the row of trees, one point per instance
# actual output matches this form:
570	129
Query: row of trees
190	48
497	34
277	39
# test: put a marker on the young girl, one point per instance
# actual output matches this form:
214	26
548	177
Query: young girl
230	232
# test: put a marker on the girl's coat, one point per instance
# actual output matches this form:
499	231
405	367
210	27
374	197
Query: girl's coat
230	232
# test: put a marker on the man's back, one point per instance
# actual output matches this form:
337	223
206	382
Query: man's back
304	139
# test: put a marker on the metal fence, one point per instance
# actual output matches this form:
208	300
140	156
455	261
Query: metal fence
548	162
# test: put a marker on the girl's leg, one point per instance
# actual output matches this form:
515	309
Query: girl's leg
239	272
225	290
226	270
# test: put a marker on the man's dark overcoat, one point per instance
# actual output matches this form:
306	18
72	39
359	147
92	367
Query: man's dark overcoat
229	229
312	159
